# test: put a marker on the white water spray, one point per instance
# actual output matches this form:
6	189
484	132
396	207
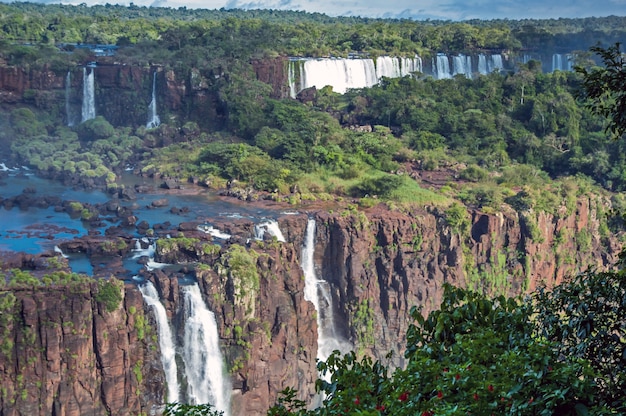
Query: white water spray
204	366
270	227
317	291
153	118
166	341
89	96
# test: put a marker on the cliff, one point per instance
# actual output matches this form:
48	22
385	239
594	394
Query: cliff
64	353
122	93
70	356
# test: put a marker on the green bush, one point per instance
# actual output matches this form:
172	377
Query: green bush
109	293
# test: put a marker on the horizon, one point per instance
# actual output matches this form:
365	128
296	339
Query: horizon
453	10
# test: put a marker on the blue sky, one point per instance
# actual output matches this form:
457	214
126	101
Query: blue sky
417	9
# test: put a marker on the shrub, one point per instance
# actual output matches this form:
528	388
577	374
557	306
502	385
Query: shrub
109	293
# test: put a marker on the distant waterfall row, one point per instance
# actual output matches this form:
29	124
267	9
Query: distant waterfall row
88	107
204	371
444	66
343	74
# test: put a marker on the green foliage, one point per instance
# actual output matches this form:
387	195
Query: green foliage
109	293
606	88
22	278
584	317
457	218
475	355
181	409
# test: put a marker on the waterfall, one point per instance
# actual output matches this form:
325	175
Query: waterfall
270	227
292	80
387	66
482	64
68	91
408	66
166	341
441	66
204	366
317	291
462	65
153	117
344	74
89	98
495	63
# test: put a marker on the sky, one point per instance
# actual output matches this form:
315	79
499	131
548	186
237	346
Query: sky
456	10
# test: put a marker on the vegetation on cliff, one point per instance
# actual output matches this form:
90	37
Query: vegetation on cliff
558	353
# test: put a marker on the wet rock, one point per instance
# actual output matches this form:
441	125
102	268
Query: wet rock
159	203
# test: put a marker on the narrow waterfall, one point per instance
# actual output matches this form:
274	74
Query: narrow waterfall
482	64
153	118
89	96
462	65
441	67
317	291
68	92
204	365
270	227
166	341
496	63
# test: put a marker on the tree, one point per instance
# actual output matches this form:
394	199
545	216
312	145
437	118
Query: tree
605	88
473	356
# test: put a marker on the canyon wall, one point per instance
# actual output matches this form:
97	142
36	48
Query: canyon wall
63	353
70	356
122	93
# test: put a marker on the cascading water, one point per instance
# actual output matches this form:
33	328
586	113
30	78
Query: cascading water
409	66
68	91
153	118
270	227
387	66
343	74
462	65
89	97
495	63
317	291
441	67
482	64
204	366
166	341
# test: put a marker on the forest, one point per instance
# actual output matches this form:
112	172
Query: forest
523	140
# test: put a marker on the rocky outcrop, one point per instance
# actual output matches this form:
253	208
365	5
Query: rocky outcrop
273	72
64	353
381	264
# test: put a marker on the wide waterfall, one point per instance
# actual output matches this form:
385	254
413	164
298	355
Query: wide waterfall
68	92
344	74
89	96
153	118
317	291
166	341
204	365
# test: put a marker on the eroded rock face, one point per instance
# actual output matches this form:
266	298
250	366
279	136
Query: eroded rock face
69	356
378	264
